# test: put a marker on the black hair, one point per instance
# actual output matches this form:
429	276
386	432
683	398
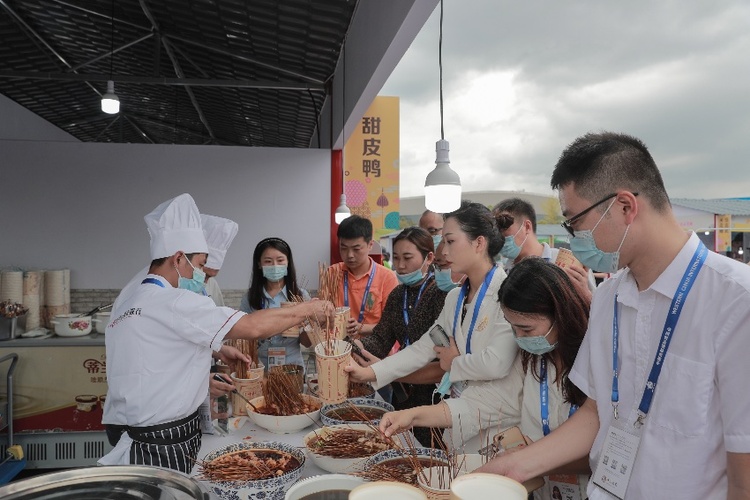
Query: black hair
258	281
420	237
354	227
600	164
517	208
161	260
476	220
535	286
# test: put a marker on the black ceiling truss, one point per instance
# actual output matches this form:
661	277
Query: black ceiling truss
238	72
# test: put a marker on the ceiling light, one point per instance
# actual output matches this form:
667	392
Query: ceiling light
740	251
442	187
110	102
342	212
707	233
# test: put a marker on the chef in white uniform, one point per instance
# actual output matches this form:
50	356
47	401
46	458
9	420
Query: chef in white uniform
160	339
219	234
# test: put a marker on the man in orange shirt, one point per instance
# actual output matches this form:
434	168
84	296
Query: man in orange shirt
364	284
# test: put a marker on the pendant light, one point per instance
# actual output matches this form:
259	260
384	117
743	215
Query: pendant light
442	187
342	212
110	102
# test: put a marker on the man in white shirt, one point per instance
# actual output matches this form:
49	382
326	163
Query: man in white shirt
688	436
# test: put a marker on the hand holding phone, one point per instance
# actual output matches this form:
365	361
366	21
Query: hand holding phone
439	337
355	349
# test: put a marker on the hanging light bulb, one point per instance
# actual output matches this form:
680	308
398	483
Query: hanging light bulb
342	212
740	251
110	102
442	187
706	233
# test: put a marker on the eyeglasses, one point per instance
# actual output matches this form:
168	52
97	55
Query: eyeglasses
568	224
434	230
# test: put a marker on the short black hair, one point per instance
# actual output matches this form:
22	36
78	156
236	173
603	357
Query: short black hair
354	227
601	163
517	208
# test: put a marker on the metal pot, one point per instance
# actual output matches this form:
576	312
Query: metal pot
124	482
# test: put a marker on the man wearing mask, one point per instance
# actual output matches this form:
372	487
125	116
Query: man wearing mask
521	242
433	223
364	284
159	343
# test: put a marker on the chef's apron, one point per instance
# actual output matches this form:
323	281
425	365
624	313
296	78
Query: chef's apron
173	445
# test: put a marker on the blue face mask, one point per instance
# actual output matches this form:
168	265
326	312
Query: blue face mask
585	250
443	280
194	284
411	278
274	273
536	345
444	387
510	250
436	239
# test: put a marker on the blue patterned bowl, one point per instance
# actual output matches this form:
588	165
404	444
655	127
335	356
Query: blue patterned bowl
328	414
429	457
263	489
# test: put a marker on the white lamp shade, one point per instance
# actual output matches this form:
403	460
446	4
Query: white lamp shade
110	102
342	212
442	187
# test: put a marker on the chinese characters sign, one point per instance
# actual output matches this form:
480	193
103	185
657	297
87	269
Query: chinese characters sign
371	166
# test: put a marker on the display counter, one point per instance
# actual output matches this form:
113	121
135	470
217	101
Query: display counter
60	386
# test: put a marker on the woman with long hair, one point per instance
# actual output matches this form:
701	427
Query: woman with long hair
480	345
549	317
412	307
274	280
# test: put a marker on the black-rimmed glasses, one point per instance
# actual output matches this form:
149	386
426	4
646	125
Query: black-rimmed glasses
568	224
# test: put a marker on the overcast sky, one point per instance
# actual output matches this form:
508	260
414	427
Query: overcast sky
521	80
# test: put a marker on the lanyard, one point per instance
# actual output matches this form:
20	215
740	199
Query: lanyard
152	281
544	397
364	296
675	309
405	308
477	303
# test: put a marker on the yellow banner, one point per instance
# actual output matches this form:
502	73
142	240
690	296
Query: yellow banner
371	168
723	233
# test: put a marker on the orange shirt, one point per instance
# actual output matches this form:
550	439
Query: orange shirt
384	281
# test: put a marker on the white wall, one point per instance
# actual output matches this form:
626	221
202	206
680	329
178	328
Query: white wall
18	123
81	205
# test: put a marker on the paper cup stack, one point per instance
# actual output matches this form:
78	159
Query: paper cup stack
11	286
56	294
32	298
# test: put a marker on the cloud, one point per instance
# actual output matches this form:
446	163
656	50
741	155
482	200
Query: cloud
523	79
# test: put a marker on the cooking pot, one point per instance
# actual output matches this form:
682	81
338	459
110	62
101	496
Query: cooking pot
124	482
72	325
101	320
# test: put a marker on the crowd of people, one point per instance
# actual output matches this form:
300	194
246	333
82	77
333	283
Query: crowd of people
466	347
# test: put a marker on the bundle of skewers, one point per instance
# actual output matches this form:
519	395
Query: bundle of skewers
282	397
328	289
247	465
348	443
250	349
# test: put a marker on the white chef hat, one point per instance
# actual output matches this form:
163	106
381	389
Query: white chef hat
219	233
174	226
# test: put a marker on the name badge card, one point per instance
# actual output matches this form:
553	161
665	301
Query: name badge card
616	460
276	356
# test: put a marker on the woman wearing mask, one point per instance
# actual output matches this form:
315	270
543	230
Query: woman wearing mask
274	280
412	307
445	278
481	346
549	317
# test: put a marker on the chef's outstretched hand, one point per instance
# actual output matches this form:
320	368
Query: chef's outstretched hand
231	356
321	310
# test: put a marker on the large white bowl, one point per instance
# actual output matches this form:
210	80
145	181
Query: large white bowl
332	464
284	424
422	453
322	484
101	320
72	325
362	403
266	489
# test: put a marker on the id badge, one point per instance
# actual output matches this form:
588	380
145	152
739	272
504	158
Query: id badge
616	460
276	356
565	487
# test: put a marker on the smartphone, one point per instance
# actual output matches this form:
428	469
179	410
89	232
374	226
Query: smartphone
439	337
355	349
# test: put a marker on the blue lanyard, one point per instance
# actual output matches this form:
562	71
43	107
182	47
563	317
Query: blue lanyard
544	397
675	309
405	308
373	268
477	303
152	281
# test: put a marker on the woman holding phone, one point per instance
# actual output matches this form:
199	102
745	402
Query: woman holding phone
481	345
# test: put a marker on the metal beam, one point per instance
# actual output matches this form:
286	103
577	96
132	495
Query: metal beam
159	123
96	139
138	129
150	80
234	55
111	53
107	16
90	119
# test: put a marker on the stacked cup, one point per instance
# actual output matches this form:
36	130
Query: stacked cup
56	294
